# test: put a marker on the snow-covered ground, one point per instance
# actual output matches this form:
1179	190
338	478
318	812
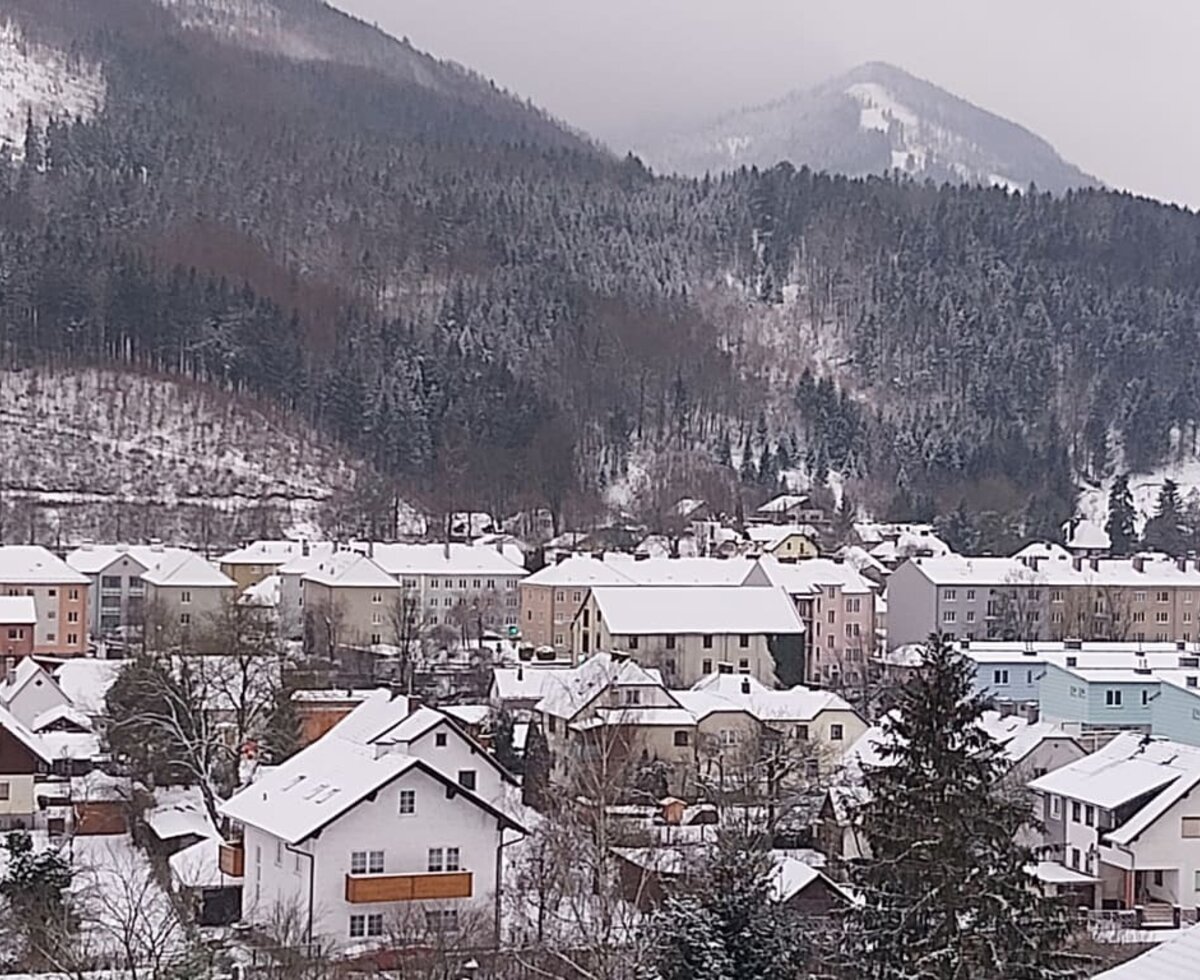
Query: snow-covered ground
42	81
1145	487
88	439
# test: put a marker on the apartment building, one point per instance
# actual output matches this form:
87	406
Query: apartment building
837	606
251	564
442	577
348	600
18	622
185	598
551	597
1144	598
687	631
115	587
59	596
388	830
1128	817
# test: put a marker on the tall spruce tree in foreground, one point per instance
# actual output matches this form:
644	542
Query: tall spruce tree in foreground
1122	533
945	894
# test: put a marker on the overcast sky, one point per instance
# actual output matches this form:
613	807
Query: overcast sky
1111	83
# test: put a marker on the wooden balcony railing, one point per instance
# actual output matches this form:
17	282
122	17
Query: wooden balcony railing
232	859
426	886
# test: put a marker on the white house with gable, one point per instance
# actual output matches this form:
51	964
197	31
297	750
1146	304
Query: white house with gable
387	830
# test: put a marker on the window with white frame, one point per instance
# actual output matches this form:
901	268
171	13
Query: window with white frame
436	859
1112	697
1190	827
949	595
185	597
408	802
377	598
441	920
366	926
949	616
366	862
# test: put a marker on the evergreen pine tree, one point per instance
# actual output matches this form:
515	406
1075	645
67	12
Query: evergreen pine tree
1120	526
725	924
536	785
283	735
1163	532
502	743
946	894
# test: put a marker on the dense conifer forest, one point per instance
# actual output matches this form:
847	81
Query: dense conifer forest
465	291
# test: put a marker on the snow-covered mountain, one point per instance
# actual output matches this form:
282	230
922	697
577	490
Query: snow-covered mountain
873	119
40	81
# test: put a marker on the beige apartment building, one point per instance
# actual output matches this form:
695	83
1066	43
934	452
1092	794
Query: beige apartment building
688	631
552	596
60	598
1052	597
256	561
184	602
348	600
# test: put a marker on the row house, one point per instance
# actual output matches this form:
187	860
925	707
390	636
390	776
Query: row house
837	606
1128	817
115	588
688	632
1096	688
609	708
60	598
440	578
1044	597
389	830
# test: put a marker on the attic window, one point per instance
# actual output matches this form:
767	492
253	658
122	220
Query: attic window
439	739
1191	827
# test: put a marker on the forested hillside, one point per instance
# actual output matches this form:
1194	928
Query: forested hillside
489	307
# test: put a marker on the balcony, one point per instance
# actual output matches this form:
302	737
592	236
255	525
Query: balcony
426	886
232	859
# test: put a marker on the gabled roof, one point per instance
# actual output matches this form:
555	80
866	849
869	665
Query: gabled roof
772	534
710	610
91	559
581	571
274	552
570	691
741	692
28	672
438	559
23	734
698	572
322	782
524	683
1129	767
808	576
783	503
1174	959
350	570
187	570
31	564
18	610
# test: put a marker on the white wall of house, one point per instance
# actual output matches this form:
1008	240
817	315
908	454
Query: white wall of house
1163	847
438	822
19	804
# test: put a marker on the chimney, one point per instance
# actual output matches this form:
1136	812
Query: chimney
446	549
371	548
745	685
1139	563
1095	563
1034	560
1180	645
1181	564
1073	644
1077	563
520	673
304	549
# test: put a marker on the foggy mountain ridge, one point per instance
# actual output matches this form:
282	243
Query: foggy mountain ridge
872	119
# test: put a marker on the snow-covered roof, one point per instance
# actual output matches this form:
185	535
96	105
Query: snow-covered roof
199	866
274	552
61	712
27	671
809	576
85	681
339	770
186	570
567	692
582	571
1174	959
91	559
685	571
180	818
687	506
350	570
783	503
859	559
337	695
438	559
790	876
710	610
770	535
31	564
17	610
1055	873
1114	572
527	682
724	692
23	734
263	594
1087	536
1128	767
468	714
1046	550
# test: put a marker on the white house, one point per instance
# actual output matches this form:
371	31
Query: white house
388	829
1129	816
